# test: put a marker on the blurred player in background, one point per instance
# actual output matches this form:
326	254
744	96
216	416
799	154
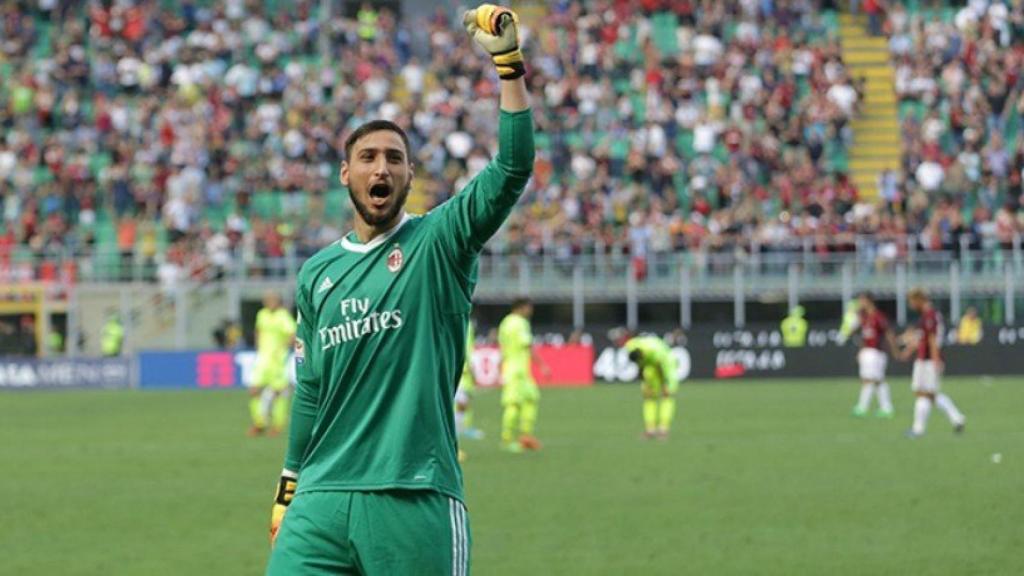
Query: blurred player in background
268	393
371	482
871	360
928	367
464	395
851	319
660	382
520	395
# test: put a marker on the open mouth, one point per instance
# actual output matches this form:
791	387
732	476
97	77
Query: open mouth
379	193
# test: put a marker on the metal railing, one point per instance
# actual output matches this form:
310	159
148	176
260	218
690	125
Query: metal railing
181	314
599	264
742	273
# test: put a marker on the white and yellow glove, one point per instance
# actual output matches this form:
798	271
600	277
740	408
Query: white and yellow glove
283	497
496	29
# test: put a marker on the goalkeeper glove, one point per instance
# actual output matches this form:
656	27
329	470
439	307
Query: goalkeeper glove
496	29
285	493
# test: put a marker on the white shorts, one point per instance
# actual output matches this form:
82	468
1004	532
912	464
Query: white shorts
461	397
872	364
926	377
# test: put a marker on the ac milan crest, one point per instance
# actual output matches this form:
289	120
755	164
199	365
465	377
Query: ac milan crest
395	259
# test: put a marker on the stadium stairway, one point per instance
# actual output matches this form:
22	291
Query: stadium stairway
876	132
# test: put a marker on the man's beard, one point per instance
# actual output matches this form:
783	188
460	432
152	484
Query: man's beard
372	219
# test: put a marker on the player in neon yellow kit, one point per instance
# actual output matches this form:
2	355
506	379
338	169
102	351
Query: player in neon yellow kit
660	382
268	398
464	396
519	396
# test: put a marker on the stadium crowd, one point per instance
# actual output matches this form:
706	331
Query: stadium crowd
961	93
185	137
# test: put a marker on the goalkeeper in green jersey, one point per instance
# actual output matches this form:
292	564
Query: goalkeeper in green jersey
660	382
371	482
268	392
519	395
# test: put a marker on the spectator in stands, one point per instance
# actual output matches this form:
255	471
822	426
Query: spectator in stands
794	328
734	116
112	339
26	343
969	331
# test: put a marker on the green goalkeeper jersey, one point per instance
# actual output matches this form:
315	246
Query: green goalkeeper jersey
381	338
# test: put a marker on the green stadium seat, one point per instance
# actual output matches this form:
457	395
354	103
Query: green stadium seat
542	140
639	108
663	33
41	175
684	143
161	238
803	86
830	19
99	161
729	30
43	47
619	149
267	204
838	158
721	153
1012	128
107	260
334	201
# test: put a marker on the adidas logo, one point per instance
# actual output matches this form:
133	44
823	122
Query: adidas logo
325	285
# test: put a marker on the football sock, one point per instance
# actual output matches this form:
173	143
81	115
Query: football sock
467	418
945	403
666	411
650	414
266	403
866	390
922	407
460	421
279	412
527	418
884	398
256	412
509	418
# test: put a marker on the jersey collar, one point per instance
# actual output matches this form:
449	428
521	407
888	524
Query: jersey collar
377	241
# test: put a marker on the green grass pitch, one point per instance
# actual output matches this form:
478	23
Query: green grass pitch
760	477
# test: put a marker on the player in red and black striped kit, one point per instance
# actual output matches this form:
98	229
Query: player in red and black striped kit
928	367
872	360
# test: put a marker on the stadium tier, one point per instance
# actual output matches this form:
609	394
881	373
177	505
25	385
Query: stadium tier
141	136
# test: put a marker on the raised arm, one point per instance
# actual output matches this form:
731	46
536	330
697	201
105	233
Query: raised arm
476	213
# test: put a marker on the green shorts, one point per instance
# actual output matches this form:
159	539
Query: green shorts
370	533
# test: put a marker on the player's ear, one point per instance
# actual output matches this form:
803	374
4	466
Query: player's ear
343	175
